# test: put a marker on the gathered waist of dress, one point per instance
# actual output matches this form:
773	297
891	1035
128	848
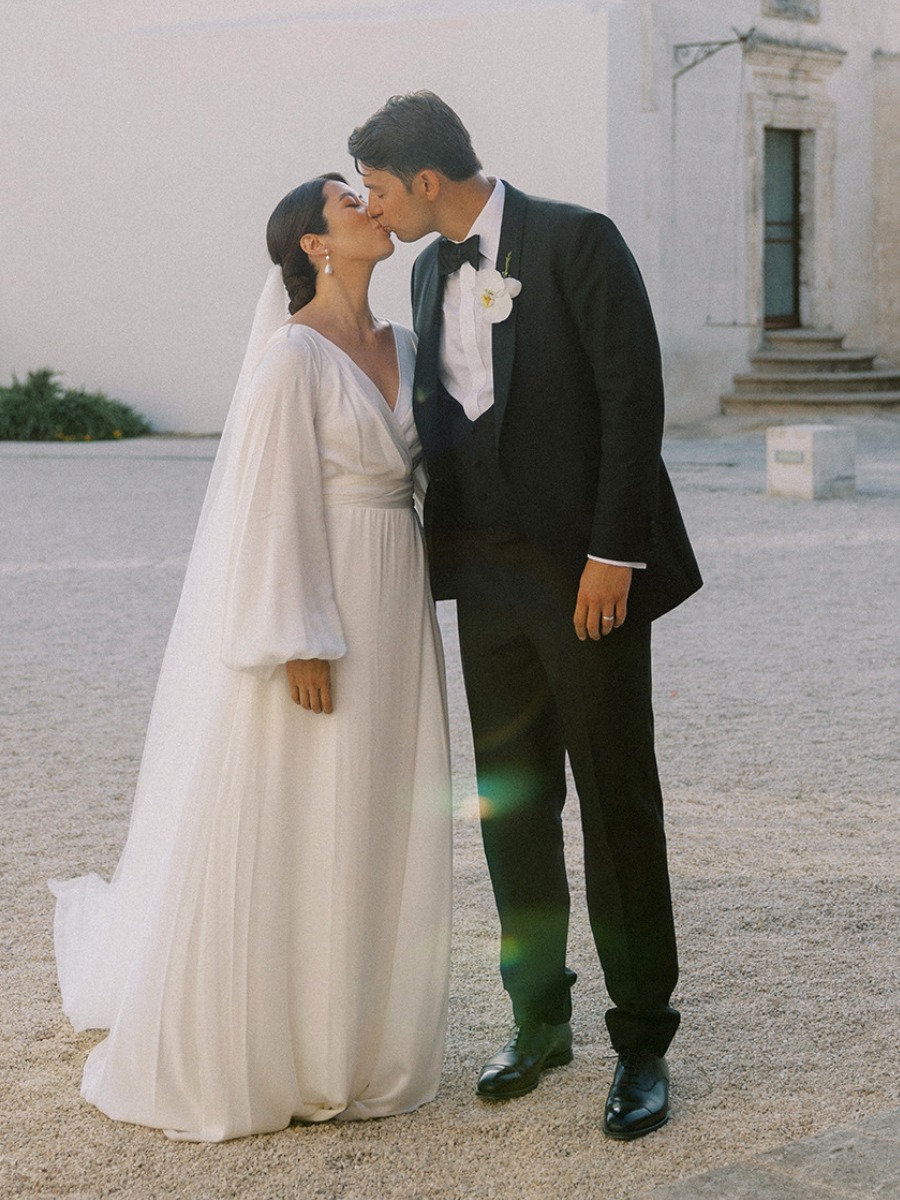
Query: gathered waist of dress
366	493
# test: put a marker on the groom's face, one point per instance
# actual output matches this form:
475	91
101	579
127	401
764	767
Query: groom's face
403	211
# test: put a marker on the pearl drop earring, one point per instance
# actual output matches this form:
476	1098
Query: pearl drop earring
329	269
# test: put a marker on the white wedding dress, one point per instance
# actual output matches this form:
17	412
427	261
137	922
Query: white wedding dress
274	943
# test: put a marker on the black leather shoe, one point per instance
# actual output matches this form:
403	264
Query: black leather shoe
516	1069
638	1100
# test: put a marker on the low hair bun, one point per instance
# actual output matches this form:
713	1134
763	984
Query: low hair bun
300	287
300	212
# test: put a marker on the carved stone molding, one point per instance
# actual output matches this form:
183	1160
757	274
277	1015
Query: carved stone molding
794	10
792	62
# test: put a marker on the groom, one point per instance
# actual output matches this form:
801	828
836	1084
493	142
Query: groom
551	520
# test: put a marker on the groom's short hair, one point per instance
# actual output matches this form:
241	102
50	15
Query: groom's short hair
412	133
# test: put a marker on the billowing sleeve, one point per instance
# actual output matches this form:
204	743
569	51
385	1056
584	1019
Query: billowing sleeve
279	601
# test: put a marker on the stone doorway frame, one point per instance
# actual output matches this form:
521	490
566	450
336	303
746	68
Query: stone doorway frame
786	90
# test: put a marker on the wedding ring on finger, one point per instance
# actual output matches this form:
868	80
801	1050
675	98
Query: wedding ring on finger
609	618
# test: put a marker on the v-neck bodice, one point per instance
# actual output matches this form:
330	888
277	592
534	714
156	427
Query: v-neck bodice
364	374
366	451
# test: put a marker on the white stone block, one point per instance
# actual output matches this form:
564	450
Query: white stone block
810	462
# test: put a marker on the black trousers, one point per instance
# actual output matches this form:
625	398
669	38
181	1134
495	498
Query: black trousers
536	692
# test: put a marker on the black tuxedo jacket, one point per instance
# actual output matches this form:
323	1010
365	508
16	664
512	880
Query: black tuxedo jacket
578	403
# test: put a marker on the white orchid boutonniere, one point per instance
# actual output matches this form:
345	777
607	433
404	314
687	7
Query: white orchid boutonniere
496	292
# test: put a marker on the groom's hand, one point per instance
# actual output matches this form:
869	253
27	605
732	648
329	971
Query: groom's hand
310	682
602	593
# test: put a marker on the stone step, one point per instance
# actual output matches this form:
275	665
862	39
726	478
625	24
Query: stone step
804	340
808	373
813	360
817	382
811	404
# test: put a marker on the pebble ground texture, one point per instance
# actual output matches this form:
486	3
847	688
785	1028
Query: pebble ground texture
778	707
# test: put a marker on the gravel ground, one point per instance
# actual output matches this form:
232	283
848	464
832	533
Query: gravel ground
778	705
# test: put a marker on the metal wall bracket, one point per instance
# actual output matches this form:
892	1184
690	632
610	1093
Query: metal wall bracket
690	54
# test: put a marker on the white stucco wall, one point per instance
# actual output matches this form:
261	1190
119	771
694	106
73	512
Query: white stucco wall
868	149
143	152
887	212
676	172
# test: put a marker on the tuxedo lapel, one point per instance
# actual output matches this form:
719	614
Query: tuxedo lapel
509	259
427	298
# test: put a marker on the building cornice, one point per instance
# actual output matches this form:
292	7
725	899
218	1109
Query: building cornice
815	60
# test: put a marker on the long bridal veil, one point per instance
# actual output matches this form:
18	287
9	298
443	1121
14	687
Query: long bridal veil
100	929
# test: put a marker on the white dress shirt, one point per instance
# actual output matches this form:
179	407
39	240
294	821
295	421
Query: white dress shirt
466	367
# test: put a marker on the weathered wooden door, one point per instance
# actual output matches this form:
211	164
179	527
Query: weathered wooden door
781	263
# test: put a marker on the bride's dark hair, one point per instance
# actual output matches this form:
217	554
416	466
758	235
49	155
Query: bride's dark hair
301	211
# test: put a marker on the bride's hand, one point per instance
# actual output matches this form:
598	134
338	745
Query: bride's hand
310	682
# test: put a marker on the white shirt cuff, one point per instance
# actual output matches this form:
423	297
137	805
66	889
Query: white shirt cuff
612	562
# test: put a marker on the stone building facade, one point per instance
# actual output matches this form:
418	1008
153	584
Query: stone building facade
763	193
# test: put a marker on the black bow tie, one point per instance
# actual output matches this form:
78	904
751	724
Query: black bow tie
452	255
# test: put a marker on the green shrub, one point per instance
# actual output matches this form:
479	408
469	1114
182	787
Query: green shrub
40	410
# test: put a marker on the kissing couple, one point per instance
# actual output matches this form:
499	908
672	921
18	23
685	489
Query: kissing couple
274	943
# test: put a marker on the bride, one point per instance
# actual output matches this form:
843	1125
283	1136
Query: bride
274	942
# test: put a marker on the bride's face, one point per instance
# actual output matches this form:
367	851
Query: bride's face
352	232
